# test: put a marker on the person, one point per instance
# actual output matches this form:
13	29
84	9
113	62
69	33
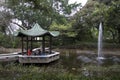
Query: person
29	52
38	52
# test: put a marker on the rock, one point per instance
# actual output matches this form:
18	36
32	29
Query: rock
115	59
84	59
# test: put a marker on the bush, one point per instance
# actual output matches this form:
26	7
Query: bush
9	41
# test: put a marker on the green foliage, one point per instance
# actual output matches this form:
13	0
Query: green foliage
3	40
113	19
51	14
84	22
88	18
43	12
8	42
67	34
12	71
65	29
5	17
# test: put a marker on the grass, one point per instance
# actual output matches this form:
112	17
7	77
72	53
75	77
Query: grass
12	71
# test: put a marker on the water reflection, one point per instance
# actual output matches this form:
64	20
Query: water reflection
87	57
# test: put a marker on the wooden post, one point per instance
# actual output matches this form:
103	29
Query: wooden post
22	44
43	44
50	45
31	44
27	44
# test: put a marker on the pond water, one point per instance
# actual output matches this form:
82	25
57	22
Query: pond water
75	60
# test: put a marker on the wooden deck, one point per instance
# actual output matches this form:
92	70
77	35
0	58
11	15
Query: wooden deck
9	57
47	58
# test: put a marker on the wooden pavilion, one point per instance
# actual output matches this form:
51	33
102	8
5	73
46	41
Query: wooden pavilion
37	55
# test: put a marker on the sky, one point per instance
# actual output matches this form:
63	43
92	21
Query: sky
78	1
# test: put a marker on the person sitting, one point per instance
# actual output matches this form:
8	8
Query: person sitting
38	52
29	52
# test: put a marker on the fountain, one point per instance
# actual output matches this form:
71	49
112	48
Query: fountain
100	36
101	59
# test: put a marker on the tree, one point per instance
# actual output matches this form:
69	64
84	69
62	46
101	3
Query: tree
84	22
94	12
5	17
43	12
113	18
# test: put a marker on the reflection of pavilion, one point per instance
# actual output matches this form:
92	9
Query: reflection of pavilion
38	55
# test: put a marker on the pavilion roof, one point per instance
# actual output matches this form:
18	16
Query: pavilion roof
35	31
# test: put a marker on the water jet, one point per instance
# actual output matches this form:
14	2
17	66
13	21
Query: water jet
100	37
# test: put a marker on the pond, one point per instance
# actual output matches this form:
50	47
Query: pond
75	60
72	61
